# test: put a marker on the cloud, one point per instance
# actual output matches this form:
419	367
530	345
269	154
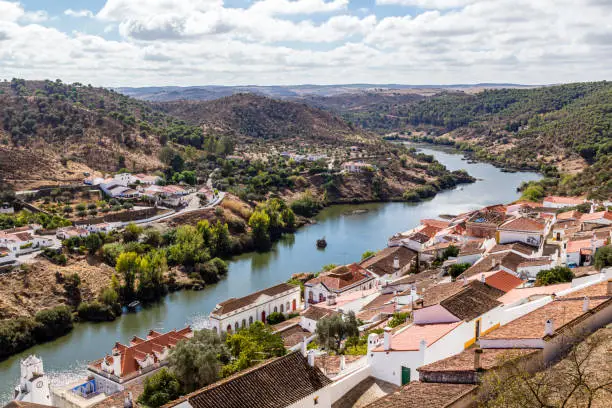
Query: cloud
178	42
79	13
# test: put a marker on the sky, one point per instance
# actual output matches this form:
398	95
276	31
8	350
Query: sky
282	42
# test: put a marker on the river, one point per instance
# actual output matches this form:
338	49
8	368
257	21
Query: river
348	236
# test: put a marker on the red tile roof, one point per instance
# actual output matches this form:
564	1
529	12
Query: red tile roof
522	224
602	215
236	303
141	348
382	262
342	277
409	339
569	215
503	281
435	223
464	361
564	200
576	246
426	395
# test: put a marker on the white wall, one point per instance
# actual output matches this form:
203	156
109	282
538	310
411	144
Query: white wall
532	271
506	237
319	399
339	388
433	314
387	366
471	259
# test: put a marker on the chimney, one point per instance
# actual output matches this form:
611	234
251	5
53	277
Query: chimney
331	299
127	403
493	263
304	347
413	292
477	354
311	358
482	278
585	304
396	264
549	327
372	341
609	288
342	362
422	345
387	339
464	280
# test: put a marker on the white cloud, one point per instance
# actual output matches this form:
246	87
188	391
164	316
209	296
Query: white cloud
201	42
79	13
428	4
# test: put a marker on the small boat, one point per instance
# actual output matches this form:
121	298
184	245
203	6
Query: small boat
134	304
321	243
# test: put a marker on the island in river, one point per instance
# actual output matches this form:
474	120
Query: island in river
348	236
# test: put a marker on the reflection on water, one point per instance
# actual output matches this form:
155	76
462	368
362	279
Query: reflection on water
348	235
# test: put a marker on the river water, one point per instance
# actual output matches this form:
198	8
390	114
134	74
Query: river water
348	236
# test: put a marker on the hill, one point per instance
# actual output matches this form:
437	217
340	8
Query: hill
565	128
249	116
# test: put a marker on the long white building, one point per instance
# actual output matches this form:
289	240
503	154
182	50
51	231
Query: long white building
236	313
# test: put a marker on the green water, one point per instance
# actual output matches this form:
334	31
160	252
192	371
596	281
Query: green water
348	236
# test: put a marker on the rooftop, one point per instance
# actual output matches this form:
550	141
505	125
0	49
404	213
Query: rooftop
341	277
531	325
420	394
523	224
602	215
576	246
464	361
233	304
531	293
266	385
517	246
472	302
382	262
410	338
509	260
317	313
564	200
503	281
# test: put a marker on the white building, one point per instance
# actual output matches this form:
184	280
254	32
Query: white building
522	229
562	202
391	263
6	208
341	280
234	314
33	383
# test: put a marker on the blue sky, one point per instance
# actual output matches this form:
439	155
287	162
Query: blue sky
197	42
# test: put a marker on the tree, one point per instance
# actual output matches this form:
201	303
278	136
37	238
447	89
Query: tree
132	232
581	379
153	237
367	254
160	388
93	243
127	266
558	274
197	361
188	248
221	243
260	224
251	345
333	330
603	257
275	318
457	269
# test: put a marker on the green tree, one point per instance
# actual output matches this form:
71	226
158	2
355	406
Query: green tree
197	361
132	232
260	224
603	257
188	248
333	330
457	269
221	241
93	242
367	254
127	266
160	388
558	274
251	345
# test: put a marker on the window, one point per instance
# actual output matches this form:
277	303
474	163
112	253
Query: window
275	309
236	326
282	308
250	320
316	400
288	307
310	296
243	323
321	298
229	328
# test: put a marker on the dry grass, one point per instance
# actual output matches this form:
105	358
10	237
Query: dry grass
237	207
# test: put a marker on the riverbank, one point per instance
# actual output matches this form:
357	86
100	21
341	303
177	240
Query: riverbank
348	236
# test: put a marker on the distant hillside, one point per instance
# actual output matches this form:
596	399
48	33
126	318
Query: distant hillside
566	126
259	117
211	92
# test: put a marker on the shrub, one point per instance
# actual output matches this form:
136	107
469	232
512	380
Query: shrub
603	257
397	319
92	206
53	323
95	312
558	274
81	207
275	318
457	269
306	205
411	196
160	388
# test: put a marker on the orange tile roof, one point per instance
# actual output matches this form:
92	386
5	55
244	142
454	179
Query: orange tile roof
569	215
464	361
342	277
528	293
503	281
422	394
575	246
564	200
531	325
607	215
142	348
410	338
435	223
598	289
522	224
430	231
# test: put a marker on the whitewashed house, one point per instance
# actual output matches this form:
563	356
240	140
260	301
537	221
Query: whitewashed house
33	384
562	202
341	280
236	313
391	263
522	229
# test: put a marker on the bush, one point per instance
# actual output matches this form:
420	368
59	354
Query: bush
397	319
53	323
96	312
558	274
160	388
603	257
411	196
306	205
457	269
92	206
275	318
